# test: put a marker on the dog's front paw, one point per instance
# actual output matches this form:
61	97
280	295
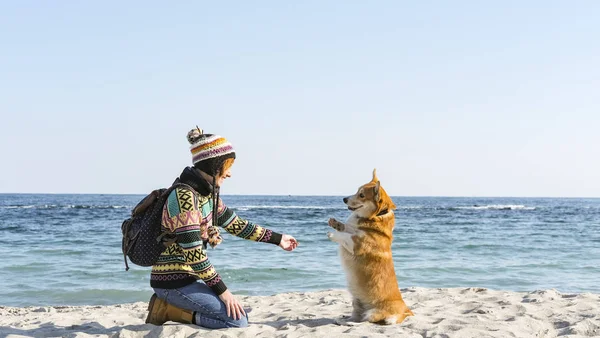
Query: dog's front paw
339	226
330	235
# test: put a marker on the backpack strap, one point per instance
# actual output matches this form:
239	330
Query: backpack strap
148	200
177	183
163	237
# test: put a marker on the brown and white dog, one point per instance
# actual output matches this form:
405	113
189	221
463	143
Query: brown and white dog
366	251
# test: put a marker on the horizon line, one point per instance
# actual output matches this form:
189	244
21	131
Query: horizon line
310	195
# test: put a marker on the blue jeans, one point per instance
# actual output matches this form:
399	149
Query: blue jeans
211	312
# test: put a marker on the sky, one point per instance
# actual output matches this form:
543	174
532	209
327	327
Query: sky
447	98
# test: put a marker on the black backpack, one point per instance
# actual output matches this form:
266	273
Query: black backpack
143	237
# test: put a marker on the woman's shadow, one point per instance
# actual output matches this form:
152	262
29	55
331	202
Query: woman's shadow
149	330
91	328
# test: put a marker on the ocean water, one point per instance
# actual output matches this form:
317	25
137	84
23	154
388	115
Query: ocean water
65	249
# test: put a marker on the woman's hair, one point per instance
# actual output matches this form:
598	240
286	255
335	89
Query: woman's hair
226	165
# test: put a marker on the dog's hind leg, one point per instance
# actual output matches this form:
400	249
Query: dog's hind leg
381	316
358	310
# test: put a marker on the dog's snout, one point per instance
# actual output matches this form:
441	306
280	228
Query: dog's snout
345	199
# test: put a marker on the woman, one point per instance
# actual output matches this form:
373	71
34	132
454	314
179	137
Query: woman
187	287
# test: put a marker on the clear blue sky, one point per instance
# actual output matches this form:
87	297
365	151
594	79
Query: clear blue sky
453	98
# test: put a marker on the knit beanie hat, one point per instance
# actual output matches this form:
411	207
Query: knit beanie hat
209	151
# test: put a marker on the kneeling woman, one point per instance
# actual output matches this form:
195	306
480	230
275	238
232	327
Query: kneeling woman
187	287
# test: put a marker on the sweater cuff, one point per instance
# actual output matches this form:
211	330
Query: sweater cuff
275	238
218	287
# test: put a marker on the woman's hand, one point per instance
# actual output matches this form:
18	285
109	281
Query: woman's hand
234	308
288	243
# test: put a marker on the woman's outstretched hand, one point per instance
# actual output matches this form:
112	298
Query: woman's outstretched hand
288	243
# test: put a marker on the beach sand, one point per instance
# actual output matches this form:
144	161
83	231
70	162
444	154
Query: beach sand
453	312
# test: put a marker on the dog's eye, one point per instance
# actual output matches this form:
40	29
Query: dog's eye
362	195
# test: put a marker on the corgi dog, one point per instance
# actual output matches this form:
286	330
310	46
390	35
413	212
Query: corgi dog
365	242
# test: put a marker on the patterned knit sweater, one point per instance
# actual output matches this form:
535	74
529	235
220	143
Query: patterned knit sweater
187	214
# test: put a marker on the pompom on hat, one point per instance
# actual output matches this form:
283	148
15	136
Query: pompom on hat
209	151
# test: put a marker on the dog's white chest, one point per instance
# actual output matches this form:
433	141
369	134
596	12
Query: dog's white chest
352	224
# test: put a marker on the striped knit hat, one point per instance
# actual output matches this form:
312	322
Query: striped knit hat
209	151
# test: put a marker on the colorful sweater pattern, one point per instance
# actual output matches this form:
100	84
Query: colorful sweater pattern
188	215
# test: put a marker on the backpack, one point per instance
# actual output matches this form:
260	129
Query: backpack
144	239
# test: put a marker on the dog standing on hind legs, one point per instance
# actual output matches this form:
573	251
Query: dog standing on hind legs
365	242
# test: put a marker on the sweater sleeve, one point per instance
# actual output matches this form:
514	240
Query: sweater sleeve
185	220
242	228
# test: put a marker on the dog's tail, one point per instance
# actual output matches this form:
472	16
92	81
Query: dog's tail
389	315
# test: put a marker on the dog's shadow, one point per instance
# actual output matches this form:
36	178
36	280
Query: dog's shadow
310	322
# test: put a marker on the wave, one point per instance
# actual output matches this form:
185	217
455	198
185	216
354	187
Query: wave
319	207
470	207
497	207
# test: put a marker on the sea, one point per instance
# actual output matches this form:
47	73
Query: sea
66	249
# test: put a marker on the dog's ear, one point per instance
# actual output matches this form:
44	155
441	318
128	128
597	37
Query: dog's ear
376	192
374	179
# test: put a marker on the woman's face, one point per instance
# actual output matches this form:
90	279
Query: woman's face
221	178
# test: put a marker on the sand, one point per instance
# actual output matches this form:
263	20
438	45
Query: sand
453	312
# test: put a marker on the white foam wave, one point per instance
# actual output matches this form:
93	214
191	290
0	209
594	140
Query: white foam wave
96	206
19	206
248	207
497	207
